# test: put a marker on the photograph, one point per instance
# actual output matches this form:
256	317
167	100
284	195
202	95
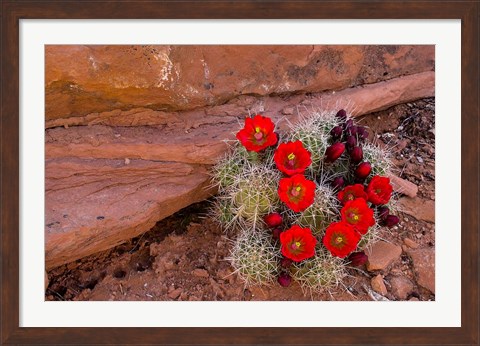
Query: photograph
239	172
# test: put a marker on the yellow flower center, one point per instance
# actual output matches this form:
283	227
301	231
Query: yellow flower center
339	240
258	134
296	191
296	245
291	156
355	217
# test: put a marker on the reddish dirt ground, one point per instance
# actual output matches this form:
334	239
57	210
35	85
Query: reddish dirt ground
184	256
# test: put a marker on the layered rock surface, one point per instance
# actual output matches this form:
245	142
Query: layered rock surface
156	121
82	80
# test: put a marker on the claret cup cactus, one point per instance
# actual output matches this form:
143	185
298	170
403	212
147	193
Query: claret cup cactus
305	207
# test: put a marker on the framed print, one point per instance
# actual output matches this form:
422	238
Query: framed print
59	117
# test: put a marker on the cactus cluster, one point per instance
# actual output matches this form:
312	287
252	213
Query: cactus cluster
252	206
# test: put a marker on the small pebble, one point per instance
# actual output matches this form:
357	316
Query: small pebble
410	243
201	273
287	111
379	285
175	293
127	161
419	159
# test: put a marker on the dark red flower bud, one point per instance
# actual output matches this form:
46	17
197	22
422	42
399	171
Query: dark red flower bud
336	132
348	124
383	213
352	131
273	220
363	170
284	279
362	132
357	259
286	262
391	220
356	154
276	233
351	142
334	151
341	115
338	183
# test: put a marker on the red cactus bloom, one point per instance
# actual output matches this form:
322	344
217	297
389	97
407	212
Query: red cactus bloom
379	190
363	170
298	243
358	214
351	192
257	134
273	220
334	151
292	158
296	192
357	259
340	239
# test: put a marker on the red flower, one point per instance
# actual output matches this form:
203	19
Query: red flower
358	214
297	192
379	190
334	151
298	243
273	220
257	134
340	239
292	158
351	192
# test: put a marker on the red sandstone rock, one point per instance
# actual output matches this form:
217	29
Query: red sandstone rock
401	286
92	205
381	255
379	285
404	186
424	267
358	101
84	79
421	209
